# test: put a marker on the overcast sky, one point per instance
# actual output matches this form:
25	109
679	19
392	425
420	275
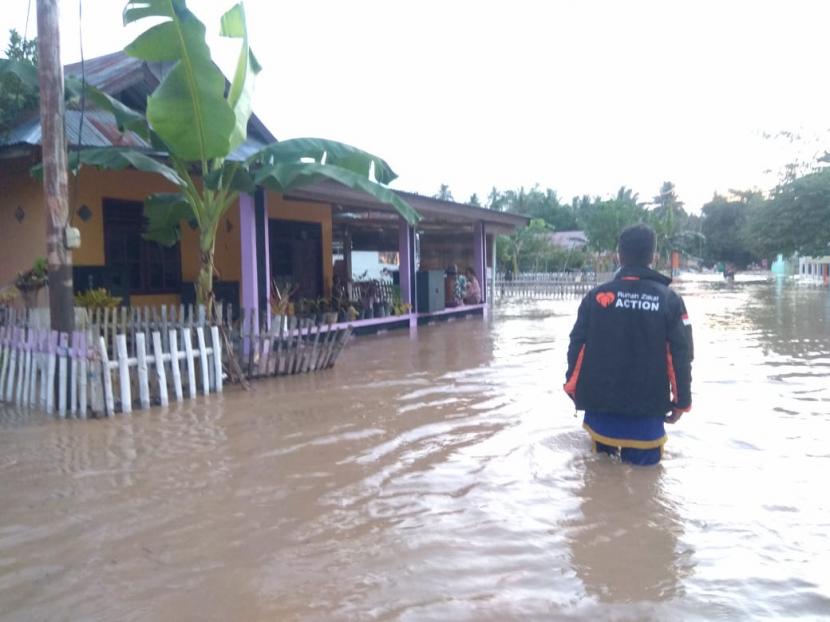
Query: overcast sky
580	96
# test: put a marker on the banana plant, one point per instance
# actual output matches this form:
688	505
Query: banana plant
194	124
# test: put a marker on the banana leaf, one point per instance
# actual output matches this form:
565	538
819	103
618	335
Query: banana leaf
188	110
240	95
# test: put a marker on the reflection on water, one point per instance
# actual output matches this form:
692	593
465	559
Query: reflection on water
441	478
625	544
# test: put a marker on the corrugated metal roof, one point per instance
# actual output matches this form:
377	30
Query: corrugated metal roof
114	72
118	74
332	192
99	130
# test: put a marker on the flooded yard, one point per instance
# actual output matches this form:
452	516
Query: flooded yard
441	478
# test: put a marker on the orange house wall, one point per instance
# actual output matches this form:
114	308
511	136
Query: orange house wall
22	243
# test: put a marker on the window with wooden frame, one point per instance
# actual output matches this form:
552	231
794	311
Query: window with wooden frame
137	266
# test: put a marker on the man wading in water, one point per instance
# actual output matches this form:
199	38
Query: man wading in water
630	356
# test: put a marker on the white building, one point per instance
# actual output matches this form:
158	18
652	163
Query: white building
814	269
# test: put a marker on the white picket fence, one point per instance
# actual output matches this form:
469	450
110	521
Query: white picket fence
75	373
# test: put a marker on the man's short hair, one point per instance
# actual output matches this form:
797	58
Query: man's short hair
636	245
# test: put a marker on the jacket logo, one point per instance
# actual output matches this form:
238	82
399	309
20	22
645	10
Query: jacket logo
605	299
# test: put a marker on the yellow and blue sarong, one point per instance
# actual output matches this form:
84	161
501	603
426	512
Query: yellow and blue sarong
637	440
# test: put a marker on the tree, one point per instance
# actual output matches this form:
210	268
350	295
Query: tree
537	204
474	200
16	95
496	200
444	193
530	250
722	225
796	218
603	220
668	218
517	248
196	120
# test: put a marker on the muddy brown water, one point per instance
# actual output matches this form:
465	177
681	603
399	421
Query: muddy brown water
441	478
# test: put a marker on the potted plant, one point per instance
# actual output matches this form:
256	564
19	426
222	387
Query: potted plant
30	282
94	299
340	305
327	311
280	300
8	295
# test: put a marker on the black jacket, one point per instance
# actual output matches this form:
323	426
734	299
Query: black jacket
631	347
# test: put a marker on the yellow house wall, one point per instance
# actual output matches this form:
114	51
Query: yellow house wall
21	243
306	212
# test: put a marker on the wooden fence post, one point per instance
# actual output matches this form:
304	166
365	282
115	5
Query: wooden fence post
63	347
124	374
174	363
191	371
143	380
82	374
217	357
158	355
109	402
200	337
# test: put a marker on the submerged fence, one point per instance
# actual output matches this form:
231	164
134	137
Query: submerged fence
544	285
127	358
76	373
290	345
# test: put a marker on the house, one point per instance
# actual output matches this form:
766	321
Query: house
814	269
568	239
301	238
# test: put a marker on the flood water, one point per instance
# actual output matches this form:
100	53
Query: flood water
441	478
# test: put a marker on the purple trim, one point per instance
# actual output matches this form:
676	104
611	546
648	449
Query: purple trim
460	310
247	232
480	257
266	225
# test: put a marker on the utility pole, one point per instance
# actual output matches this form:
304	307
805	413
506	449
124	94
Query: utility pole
55	185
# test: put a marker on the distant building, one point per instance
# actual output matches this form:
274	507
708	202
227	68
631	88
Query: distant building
569	239
815	268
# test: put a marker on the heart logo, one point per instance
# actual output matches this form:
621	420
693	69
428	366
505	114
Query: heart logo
605	299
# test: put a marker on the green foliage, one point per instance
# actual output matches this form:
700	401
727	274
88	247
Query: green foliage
8	295
669	220
535	204
34	278
530	250
796	218
188	110
603	220
444	193
93	299
40	269
18	94
722	225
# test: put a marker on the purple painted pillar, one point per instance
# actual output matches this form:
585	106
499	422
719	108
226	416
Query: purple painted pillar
255	260
405	258
263	256
247	230
480	258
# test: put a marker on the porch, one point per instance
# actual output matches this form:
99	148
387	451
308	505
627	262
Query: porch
359	263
